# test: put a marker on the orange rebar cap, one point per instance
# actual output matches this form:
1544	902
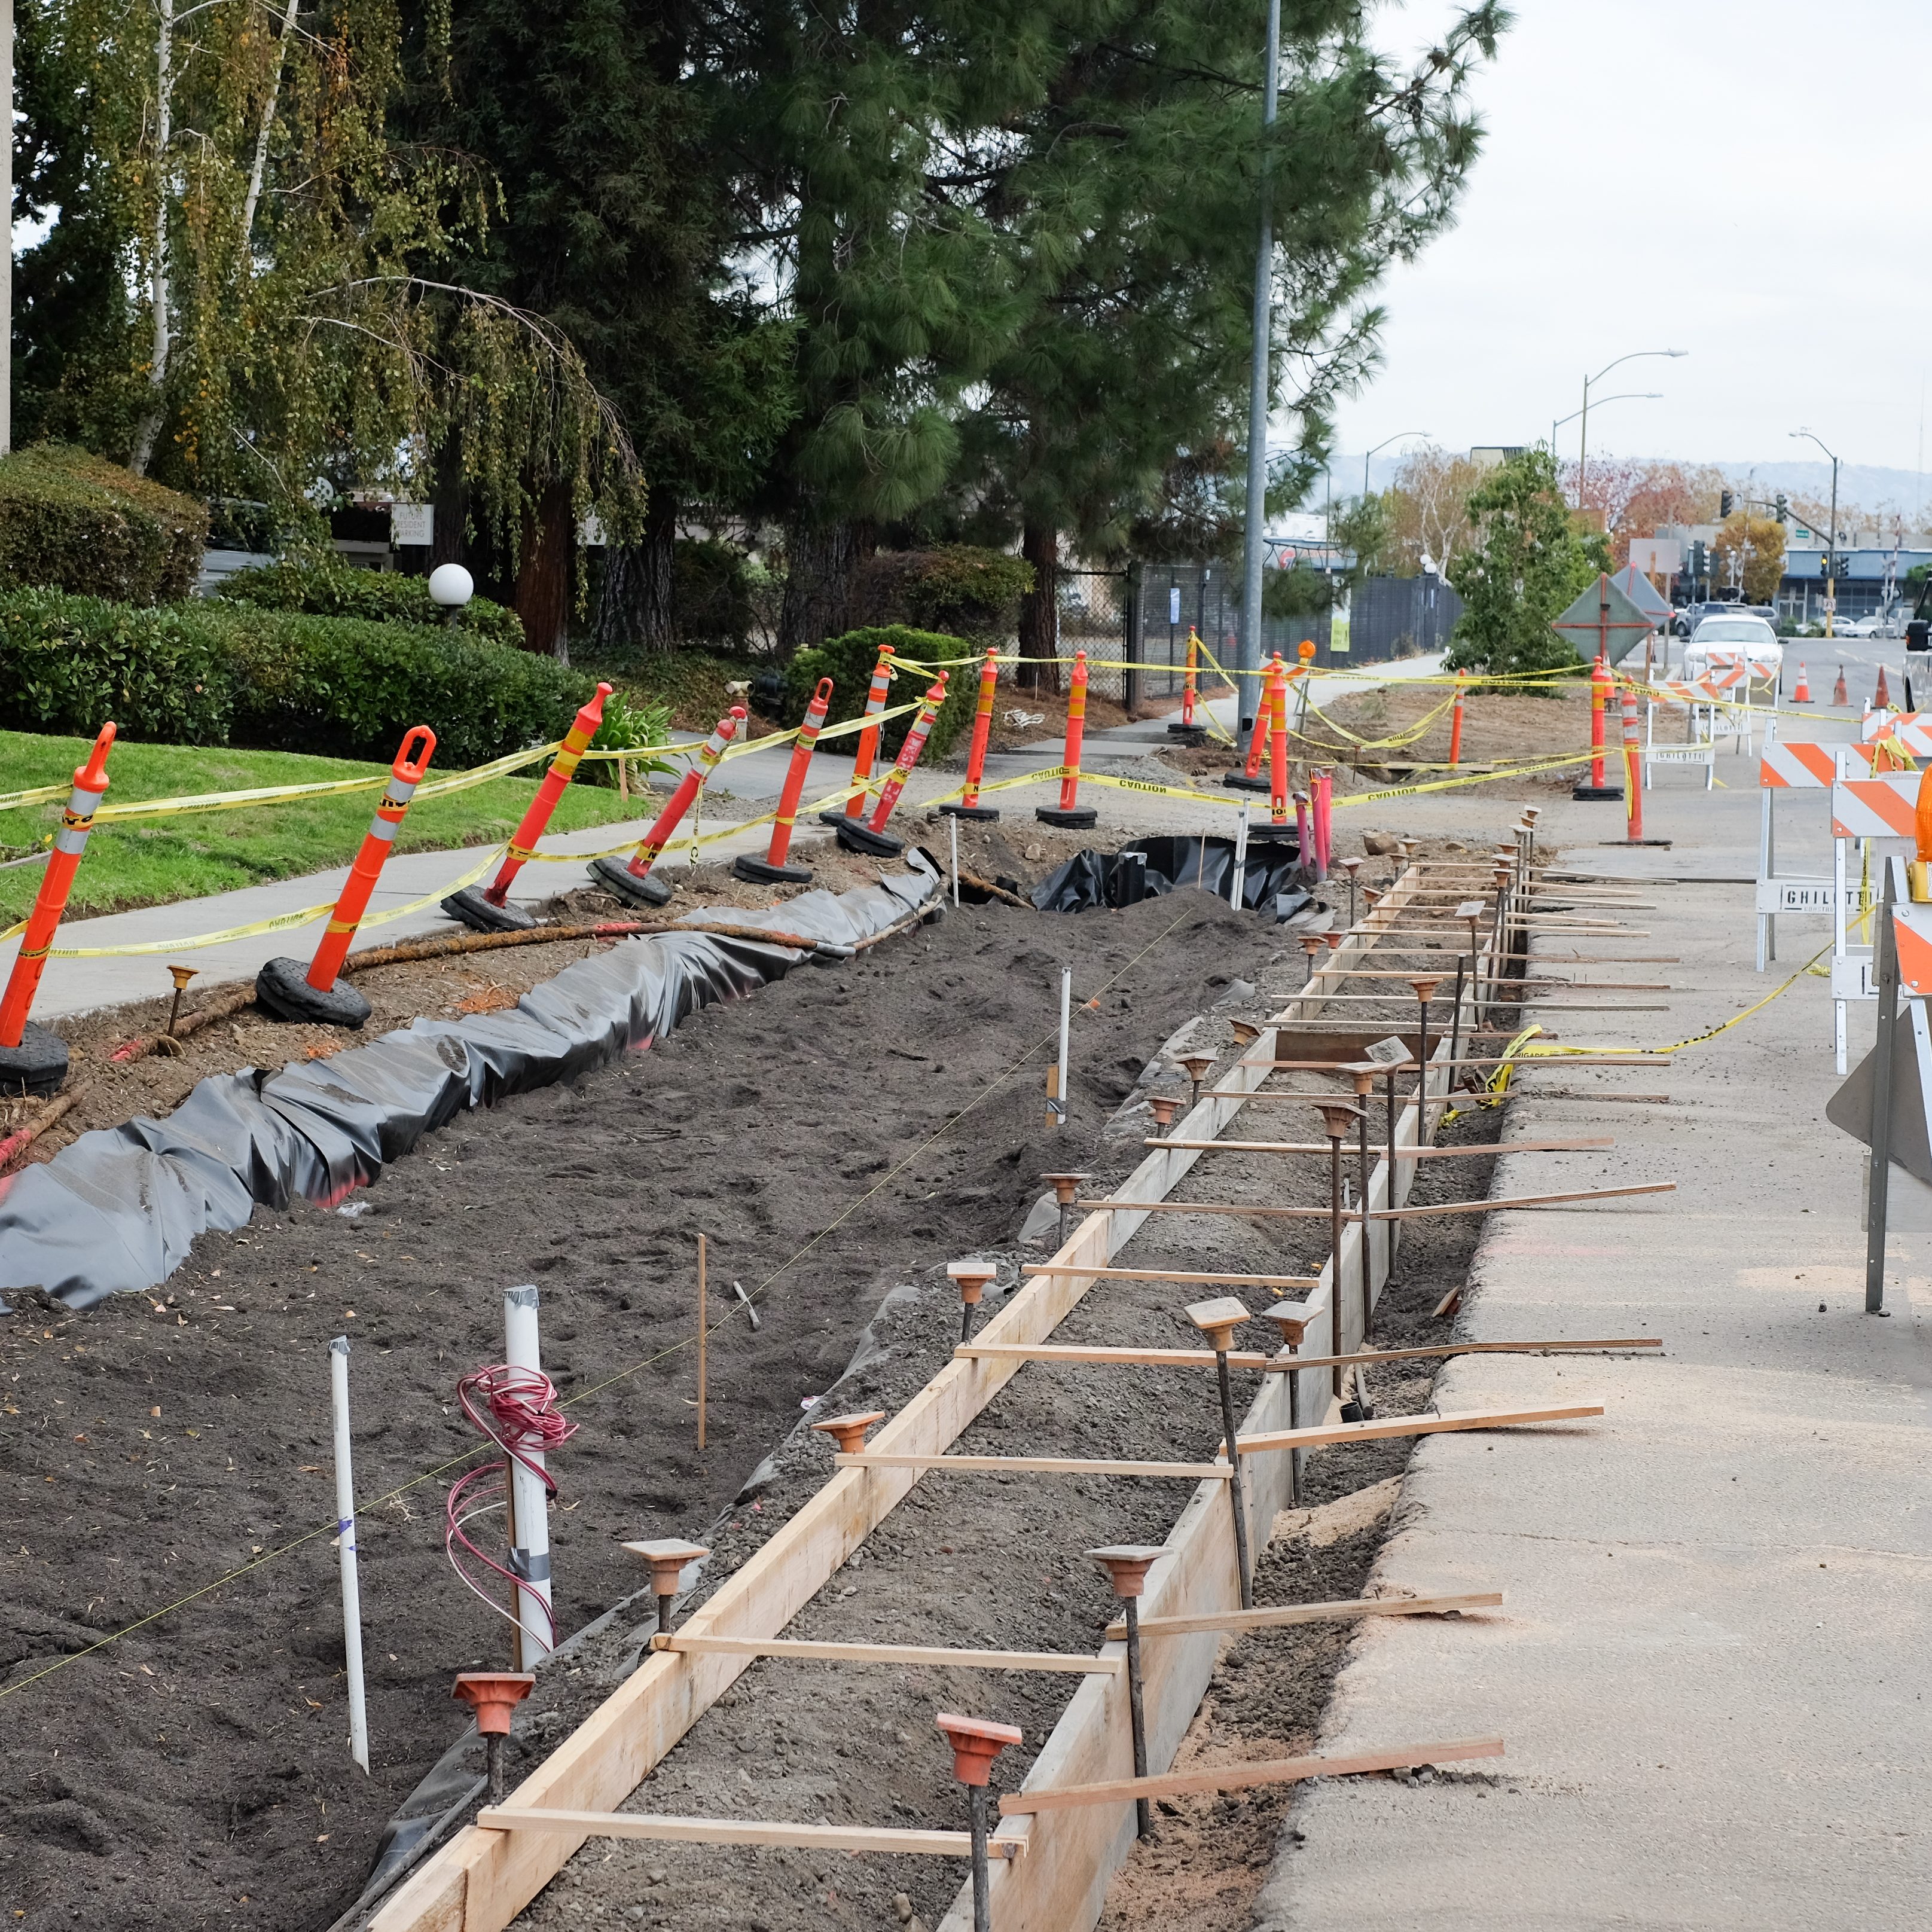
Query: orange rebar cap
494	1694
976	1742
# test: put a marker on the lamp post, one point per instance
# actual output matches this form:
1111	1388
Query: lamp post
1383	444
1830	537
1603	403
1248	652
1589	383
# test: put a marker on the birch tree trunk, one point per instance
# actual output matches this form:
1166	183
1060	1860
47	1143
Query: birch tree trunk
150	425
261	163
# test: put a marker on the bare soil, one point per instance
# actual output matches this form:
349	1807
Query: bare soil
1498	728
999	1561
842	1134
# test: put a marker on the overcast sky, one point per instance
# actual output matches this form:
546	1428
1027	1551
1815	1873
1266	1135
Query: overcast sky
1746	179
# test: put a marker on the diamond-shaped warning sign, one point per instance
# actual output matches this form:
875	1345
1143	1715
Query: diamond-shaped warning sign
1603	619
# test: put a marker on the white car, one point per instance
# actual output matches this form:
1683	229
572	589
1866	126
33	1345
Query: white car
1726	638
1859	627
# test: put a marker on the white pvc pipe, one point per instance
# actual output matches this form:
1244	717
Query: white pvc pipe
1240	860
1065	1018
954	823
345	1542
529	1501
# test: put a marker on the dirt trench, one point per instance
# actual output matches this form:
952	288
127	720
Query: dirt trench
832	1137
998	1562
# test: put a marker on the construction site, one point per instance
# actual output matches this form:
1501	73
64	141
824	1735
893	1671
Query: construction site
1121	1334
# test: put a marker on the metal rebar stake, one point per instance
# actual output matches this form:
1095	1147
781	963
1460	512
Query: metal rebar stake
1143	1810
1234	1480
1879	1172
982	1898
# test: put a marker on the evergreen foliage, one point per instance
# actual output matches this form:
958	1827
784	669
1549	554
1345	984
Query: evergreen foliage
71	521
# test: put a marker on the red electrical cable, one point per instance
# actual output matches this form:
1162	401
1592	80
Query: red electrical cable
516	1409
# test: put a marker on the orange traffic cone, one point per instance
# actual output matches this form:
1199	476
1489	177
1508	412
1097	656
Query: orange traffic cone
1802	695
1840	697
1882	698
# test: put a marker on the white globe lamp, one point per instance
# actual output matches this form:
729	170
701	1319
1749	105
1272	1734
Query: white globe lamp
451	586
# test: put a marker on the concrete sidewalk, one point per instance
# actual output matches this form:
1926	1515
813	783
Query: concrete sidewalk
1708	1664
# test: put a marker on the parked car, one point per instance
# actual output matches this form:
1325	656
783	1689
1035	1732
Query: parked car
1859	627
1736	630
1684	622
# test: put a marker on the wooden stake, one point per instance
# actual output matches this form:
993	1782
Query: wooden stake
1241	1777
701	1340
1343	1611
803	1651
740	1831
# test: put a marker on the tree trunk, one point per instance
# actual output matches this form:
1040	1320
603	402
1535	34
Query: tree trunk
159	292
820	560
543	574
449	497
1039	609
637	610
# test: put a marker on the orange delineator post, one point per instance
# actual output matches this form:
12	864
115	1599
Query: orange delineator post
1600	680
1187	683
772	869
488	910
1070	812
868	738
1249	778
915	743
1633	771
90	782
282	989
1278	745
968	806
405	774
1456	723
632	881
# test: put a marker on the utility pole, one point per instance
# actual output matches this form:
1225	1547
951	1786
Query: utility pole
1248	653
7	209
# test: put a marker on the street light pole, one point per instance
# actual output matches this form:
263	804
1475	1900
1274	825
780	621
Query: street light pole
7	209
1248	654
1381	445
1589	382
1830	537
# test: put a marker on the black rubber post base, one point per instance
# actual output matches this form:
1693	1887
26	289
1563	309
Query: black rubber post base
1240	781
1590	794
836	817
857	837
1081	818
980	814
470	908
1267	832
615	876
38	1065
283	991
760	872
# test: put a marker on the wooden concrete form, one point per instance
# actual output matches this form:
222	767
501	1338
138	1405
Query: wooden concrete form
663	1828
1104	1355
801	1650
1346	1609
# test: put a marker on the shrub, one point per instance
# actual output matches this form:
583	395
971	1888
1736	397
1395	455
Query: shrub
848	662
333	590
712	592
626	725
968	591
208	672
74	522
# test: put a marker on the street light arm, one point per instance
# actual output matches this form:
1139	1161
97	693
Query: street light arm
1634	355
1604	402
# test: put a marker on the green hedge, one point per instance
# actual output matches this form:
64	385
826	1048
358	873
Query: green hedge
204	673
72	521
848	662
383	597
957	589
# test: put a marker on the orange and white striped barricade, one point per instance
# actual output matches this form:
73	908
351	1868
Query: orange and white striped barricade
1911	931
874	838
1701	749
284	988
1883	809
486	908
34	1059
1794	765
772	869
631	880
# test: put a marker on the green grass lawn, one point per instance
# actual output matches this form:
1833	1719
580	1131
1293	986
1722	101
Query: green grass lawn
198	853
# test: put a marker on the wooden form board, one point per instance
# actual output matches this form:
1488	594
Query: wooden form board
1247	1777
1181	1275
803	1651
664	1829
1324	1434
1037	1465
1101	1355
481	1880
1488	1150
1061	1886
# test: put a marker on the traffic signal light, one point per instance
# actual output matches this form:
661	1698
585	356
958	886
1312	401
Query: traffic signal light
1825	563
1697	558
1726	498
1783	508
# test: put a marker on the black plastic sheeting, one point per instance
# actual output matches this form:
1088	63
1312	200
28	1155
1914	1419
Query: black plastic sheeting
1145	868
120	1207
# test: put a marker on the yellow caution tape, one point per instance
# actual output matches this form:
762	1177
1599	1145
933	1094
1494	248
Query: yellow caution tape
11	801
